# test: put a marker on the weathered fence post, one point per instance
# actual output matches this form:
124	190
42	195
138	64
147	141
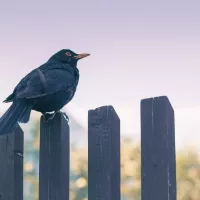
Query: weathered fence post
11	165
103	154
54	159
158	163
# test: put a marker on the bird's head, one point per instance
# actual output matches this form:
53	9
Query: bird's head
69	57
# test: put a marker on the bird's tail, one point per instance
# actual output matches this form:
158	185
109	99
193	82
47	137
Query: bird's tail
19	111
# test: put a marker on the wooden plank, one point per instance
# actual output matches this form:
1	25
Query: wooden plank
158	164
11	165
103	154
54	159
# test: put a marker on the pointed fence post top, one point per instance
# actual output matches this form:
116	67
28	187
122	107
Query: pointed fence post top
103	110
163	99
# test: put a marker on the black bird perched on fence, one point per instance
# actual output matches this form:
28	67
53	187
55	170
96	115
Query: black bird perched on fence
47	88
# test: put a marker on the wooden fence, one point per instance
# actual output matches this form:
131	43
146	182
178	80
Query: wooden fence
158	174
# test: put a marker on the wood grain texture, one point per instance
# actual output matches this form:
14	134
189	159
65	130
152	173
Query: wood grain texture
54	159
11	165
103	154
158	165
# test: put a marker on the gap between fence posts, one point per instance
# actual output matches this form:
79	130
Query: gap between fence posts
103	154
54	159
11	165
158	162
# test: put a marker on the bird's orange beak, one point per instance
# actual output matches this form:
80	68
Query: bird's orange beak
82	55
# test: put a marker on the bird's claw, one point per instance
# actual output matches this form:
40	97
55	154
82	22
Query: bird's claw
48	117
65	116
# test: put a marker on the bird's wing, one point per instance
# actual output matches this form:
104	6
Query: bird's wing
45	82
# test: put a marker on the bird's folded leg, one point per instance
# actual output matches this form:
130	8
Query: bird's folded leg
48	116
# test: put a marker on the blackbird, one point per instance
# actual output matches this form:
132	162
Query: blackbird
46	89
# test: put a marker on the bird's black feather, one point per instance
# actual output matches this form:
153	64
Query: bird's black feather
45	89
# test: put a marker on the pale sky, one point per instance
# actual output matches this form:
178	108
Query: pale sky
139	49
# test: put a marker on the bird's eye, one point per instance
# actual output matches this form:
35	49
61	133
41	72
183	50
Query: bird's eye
68	54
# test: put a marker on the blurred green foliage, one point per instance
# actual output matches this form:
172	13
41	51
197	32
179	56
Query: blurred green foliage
188	171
